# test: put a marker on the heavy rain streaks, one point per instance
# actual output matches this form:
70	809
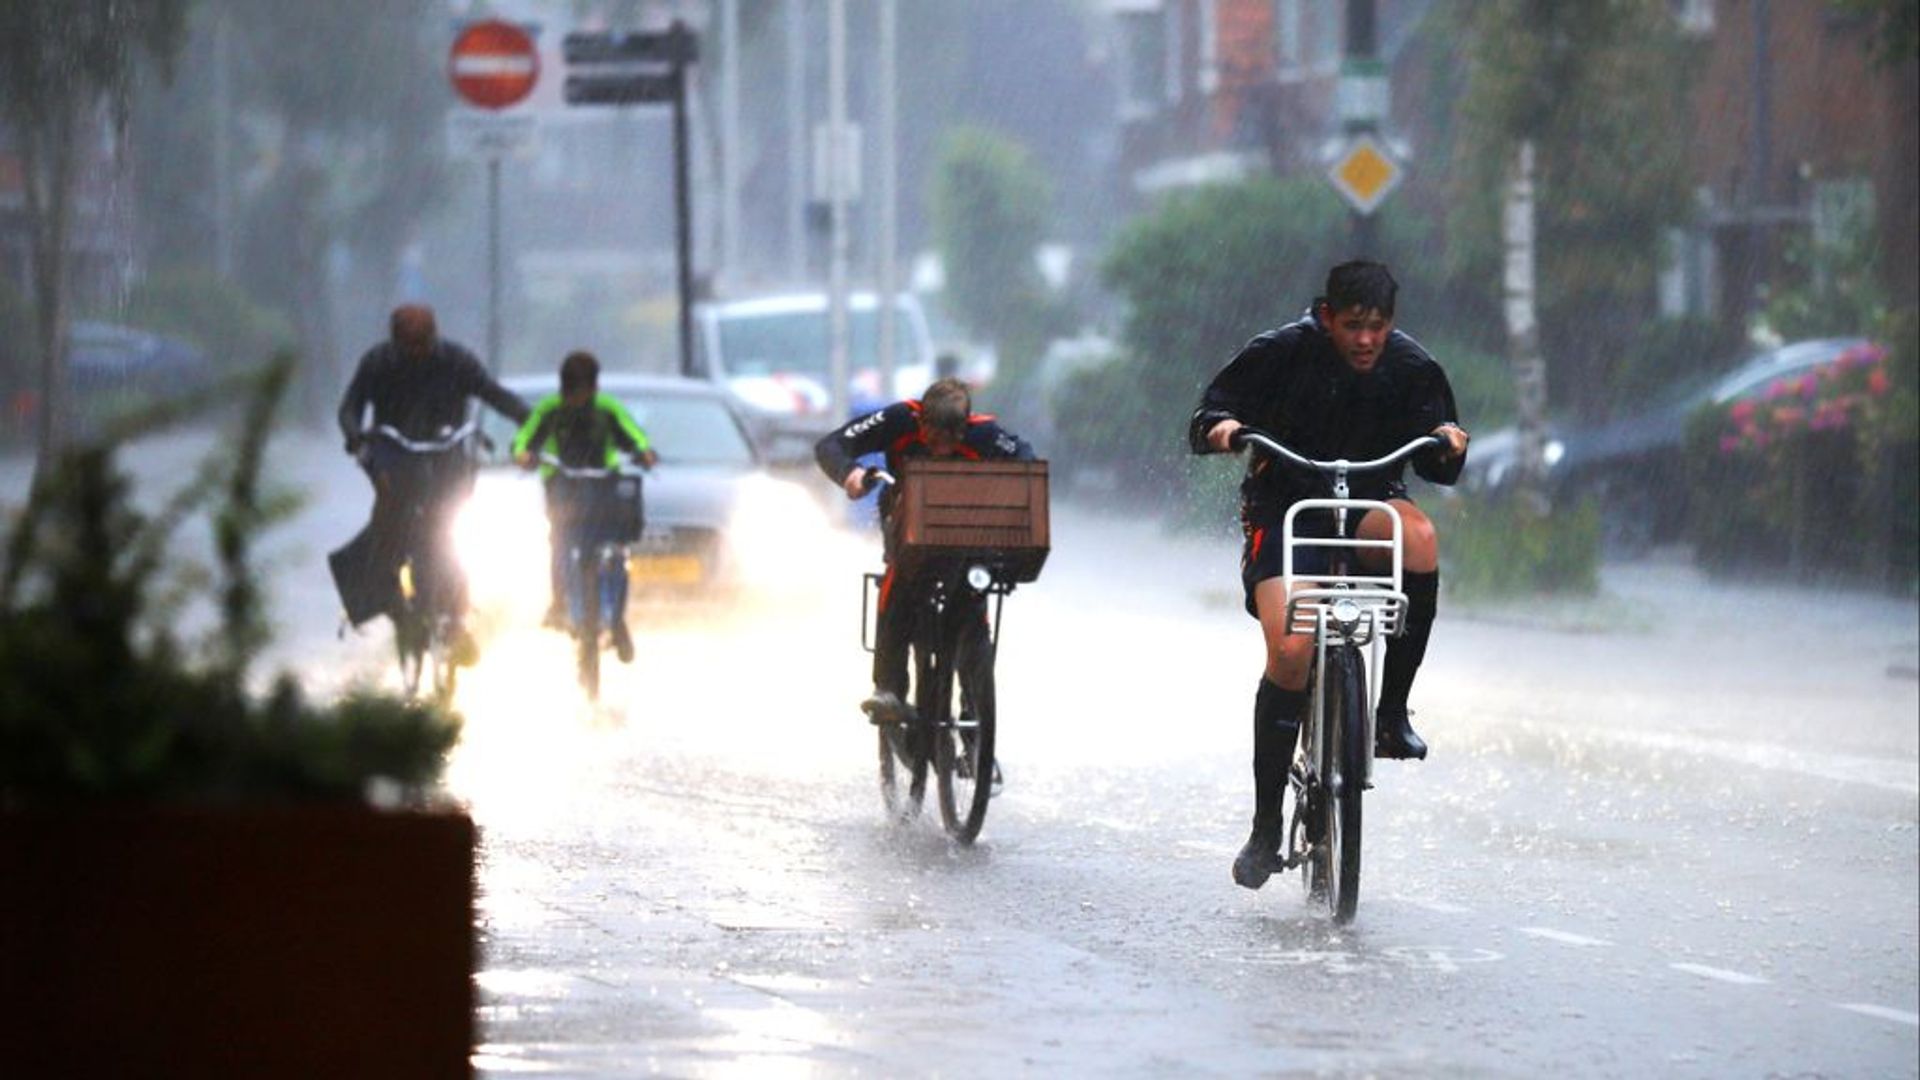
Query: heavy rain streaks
1649	264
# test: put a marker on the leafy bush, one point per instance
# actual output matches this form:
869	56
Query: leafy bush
1815	474
1495	546
99	701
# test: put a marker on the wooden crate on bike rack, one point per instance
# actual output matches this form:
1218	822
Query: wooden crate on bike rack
993	511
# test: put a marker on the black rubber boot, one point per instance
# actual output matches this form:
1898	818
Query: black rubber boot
1393	734
1276	727
1394	737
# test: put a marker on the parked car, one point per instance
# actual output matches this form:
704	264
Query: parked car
771	354
1633	463
713	515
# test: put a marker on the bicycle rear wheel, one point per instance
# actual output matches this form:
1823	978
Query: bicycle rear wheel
1343	767
409	646
904	744
440	655
963	733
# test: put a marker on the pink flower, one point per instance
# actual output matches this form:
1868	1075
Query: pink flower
1742	411
1729	443
1787	416
1877	383
1809	385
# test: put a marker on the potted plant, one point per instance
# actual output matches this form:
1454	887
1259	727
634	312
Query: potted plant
197	878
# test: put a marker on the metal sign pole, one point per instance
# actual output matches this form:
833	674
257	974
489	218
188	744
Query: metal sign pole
683	217
493	263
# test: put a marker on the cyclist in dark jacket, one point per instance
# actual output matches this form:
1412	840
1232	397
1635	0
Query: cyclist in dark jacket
940	424
1340	382
420	385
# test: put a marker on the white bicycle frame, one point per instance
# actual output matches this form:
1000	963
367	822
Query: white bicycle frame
1341	609
1352	608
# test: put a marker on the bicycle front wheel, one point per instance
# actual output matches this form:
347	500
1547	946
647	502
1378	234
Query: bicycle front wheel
1344	767
963	734
586	569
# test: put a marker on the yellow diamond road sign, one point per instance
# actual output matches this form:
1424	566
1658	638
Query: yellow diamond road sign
1365	173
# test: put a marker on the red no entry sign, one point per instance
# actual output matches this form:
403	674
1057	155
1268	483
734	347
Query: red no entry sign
493	64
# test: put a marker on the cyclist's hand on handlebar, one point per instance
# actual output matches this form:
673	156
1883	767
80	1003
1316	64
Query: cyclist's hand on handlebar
1220	436
1455	437
648	459
857	482
524	459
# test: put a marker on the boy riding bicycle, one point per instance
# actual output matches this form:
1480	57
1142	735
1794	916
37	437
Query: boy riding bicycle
583	429
1340	382
940	424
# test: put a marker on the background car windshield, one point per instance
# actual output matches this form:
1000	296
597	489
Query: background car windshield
797	341
690	430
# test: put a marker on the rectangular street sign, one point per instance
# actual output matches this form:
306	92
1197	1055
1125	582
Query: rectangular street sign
472	133
677	46
626	89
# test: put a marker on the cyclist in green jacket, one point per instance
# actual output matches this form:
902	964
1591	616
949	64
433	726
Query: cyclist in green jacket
584	429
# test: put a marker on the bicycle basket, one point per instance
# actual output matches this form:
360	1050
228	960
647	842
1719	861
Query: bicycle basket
605	509
992	511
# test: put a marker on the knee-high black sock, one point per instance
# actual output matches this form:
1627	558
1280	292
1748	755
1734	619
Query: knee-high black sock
1276	727
1405	652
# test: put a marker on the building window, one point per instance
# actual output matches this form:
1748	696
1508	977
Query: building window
1209	17
1145	46
1694	16
1287	30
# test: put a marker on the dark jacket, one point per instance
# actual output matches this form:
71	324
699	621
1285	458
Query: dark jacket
1292	384
421	398
895	431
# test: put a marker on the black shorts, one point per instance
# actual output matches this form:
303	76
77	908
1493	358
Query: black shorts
1263	556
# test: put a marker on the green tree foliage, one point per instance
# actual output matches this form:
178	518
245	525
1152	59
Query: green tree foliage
1896	26
990	209
1599	88
62	62
1208	269
98	698
334	135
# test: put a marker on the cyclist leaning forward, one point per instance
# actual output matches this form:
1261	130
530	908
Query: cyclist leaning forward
1340	382
940	424
584	429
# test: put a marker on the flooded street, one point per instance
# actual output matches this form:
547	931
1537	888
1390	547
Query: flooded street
1658	833
1655	835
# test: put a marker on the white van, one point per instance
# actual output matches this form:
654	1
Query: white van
772	354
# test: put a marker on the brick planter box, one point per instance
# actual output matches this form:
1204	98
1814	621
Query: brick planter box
283	941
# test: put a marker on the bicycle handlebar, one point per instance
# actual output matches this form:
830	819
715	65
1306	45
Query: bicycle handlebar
582	472
877	476
1247	436
425	446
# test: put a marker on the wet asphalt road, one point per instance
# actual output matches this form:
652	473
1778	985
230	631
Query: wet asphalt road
1670	832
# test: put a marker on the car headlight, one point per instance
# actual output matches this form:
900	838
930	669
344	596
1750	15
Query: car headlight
500	536
776	530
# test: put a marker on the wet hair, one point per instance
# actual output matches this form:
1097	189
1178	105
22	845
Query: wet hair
579	371
412	324
1361	284
945	407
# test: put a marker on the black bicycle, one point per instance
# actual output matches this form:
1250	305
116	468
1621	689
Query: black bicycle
1345	609
605	515
949	727
424	617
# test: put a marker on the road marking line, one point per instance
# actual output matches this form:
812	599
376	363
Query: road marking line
1440	906
1738	977
1562	936
1881	1012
